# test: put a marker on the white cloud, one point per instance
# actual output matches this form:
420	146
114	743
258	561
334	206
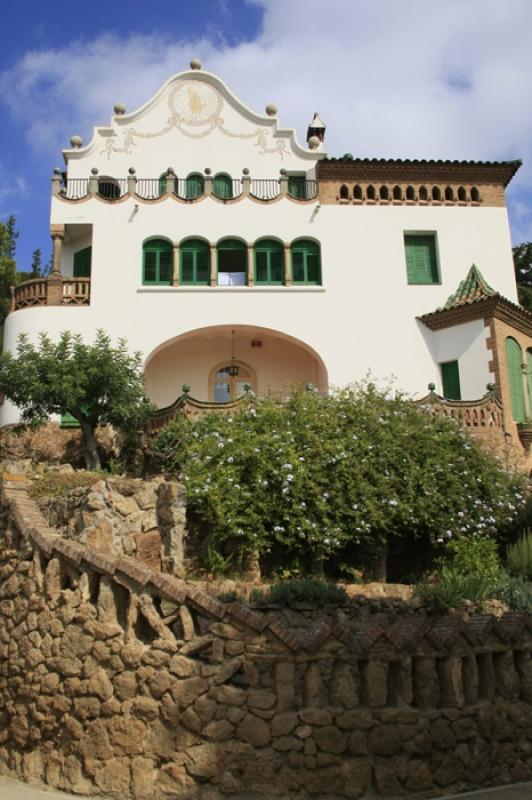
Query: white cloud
12	187
416	78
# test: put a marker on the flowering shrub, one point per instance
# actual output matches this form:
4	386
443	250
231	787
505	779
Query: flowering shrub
311	476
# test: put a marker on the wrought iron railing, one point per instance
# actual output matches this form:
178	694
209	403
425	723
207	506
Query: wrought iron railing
150	188
75	188
265	188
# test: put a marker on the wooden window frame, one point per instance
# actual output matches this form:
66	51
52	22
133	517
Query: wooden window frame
186	247
262	246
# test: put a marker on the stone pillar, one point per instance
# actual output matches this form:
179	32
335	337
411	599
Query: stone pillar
93	182
374	679
132	182
171	521
207	183
175	264
506	678
250	270
486	676
287	265
528	409
214	265
450	674
426	683
246	182
171	181
57	232
283	183
470	679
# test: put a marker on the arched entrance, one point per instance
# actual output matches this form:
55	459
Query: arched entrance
217	362
230	380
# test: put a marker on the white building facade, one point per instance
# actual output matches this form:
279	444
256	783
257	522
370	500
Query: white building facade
231	255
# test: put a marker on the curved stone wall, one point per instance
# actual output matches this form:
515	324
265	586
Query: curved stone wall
118	680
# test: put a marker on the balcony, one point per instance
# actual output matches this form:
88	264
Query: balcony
191	189
51	291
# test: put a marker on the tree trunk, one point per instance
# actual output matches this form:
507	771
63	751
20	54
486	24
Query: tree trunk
379	567
90	446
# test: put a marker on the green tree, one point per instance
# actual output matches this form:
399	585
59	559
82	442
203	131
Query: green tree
8	268
95	383
314	478
522	254
36	264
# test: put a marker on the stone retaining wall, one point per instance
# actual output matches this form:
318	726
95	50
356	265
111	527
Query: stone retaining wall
119	680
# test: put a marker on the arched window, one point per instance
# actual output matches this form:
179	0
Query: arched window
108	188
410	193
297	187
223	186
157	262
475	195
423	193
344	192
194	186
436	193
357	192
269	262
195	262
462	194
370	192
449	194
232	262
383	193
397	193
306	262
514	358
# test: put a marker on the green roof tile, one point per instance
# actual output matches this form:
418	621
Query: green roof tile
473	288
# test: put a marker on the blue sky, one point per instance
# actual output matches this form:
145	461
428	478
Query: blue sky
415	79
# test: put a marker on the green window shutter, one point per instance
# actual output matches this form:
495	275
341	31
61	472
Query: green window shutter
514	359
223	187
193	186
306	262
162	185
277	265
195	262
261	266
187	266
165	266
450	376
529	376
82	263
150	266
157	262
296	187
421	260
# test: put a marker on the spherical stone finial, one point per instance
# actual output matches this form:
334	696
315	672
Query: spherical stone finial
94	171
76	141
170	171
271	110
195	63
57	170
314	142
120	108
132	170
283	171
245	171
432	387
208	170
348	156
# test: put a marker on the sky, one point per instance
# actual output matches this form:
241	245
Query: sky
408	79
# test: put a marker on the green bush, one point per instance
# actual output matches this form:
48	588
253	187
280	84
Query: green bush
516	592
519	556
474	555
309	590
308	479
453	588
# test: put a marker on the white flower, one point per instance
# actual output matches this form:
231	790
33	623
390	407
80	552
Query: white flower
287	466
392	502
230	459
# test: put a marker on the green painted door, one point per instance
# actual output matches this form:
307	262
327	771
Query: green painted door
82	263
514	358
450	377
